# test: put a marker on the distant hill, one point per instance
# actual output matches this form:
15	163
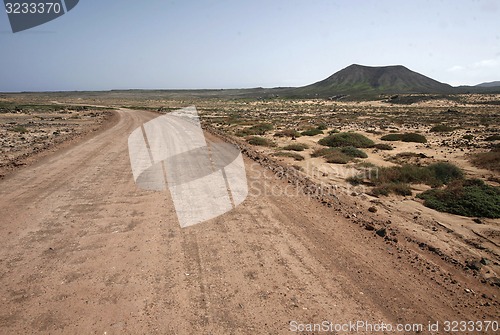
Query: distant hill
490	84
360	80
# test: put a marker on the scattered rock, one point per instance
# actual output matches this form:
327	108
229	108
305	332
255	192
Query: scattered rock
381	232
372	209
484	261
369	227
474	265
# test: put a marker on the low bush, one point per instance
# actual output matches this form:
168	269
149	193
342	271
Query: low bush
413	137
471	198
391	137
406	137
353	152
312	132
287	133
296	156
441	128
337	157
468	137
296	147
347	140
434	175
322	152
445	172
261	141
322	126
383	146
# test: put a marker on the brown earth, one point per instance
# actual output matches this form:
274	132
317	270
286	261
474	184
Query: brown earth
83	251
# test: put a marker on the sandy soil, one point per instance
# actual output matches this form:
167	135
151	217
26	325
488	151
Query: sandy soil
83	251
28	135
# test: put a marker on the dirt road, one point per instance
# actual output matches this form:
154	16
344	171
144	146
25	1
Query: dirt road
83	251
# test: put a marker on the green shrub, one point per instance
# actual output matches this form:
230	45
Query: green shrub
256	140
297	157
445	172
287	133
388	188
383	146
413	137
333	131
353	152
407	137
296	147
312	132
337	157
492	138
468	137
391	137
347	139
441	128
434	175
471	198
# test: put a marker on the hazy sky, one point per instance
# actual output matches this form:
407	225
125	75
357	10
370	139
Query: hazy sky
120	44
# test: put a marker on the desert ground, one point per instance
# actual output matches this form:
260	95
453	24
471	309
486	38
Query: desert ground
84	251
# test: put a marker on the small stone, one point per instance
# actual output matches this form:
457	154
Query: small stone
381	232
372	209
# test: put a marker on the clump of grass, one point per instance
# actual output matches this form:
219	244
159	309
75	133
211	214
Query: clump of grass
287	133
347	140
261	141
295	156
296	147
395	188
312	132
20	129
383	146
406	137
471	198
488	160
353	152
441	128
258	129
